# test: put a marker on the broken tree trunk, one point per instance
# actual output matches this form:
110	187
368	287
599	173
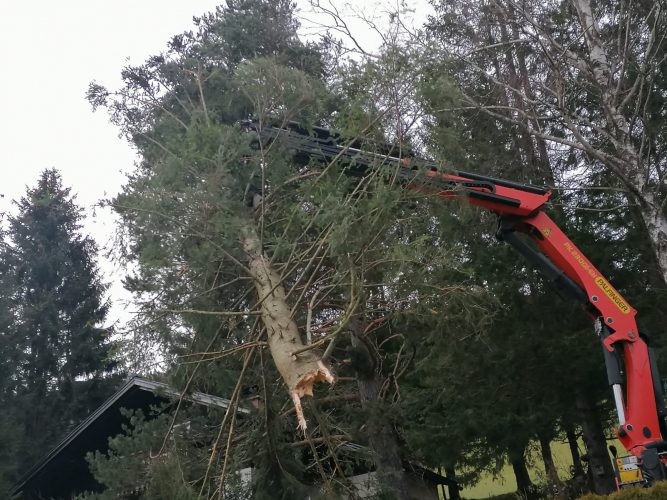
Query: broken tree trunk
300	371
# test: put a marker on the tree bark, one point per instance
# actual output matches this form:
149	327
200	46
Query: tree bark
382	438
599	464
454	493
301	371
655	221
382	441
577	469
630	168
555	484
523	483
607	67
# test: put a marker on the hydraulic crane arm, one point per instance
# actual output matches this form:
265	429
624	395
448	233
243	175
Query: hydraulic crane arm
630	361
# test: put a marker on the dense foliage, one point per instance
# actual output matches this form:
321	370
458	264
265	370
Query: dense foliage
56	353
251	265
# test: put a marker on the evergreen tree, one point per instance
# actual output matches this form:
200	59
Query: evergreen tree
205	212
60	352
379	271
506	111
11	430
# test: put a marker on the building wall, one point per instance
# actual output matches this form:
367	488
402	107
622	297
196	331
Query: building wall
366	486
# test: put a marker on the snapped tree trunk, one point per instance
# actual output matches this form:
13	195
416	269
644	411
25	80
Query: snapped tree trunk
299	371
599	464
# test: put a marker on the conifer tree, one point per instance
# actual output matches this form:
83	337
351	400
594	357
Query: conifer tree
216	227
59	349
221	227
11	432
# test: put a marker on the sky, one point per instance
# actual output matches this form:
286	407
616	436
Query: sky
50	52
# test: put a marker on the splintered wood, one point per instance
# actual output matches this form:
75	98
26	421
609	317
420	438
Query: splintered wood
300	372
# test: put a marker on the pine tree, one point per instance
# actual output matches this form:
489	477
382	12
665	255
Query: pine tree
219	231
60	351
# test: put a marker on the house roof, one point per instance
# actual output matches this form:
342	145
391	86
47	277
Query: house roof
64	471
65	465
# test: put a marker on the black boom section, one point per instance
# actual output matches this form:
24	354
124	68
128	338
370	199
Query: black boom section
528	188
322	144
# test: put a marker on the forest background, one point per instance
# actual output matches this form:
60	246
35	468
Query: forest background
447	350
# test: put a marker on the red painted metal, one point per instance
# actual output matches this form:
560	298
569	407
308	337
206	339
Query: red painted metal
529	202
606	303
614	310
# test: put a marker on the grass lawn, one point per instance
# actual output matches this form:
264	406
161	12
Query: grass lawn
491	486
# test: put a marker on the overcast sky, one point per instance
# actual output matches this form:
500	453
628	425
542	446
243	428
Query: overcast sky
51	51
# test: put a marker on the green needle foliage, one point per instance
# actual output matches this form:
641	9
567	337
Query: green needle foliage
449	349
57	357
352	253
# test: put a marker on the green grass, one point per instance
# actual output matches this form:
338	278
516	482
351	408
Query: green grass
504	485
